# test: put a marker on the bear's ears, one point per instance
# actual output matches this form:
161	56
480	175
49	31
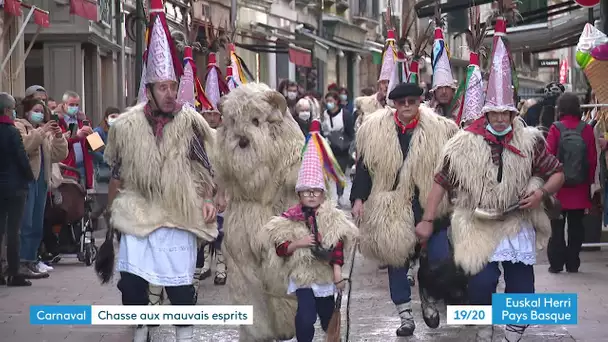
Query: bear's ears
278	102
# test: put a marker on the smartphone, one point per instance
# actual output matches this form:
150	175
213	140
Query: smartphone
55	117
73	128
86	123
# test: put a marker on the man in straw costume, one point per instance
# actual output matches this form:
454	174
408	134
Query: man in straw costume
398	151
160	218
498	188
444	85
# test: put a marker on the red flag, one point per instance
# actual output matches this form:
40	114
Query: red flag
84	8
13	7
41	18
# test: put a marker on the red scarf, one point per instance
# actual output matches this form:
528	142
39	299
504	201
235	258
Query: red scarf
5	119
296	214
158	122
479	127
404	128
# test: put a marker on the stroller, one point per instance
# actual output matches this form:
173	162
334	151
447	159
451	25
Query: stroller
67	218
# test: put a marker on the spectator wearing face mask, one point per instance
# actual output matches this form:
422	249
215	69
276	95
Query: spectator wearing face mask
102	170
290	91
345	100
338	126
45	144
303	114
78	154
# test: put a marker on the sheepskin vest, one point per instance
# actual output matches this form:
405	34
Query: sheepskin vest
161	185
303	267
475	175
387	227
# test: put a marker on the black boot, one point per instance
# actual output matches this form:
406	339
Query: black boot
18	280
2	280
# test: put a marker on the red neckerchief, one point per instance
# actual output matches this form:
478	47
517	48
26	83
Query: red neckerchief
5	119
479	127
296	213
158	122
404	128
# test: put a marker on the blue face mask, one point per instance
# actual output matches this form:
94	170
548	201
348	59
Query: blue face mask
72	110
330	106
499	134
14	114
36	117
343	97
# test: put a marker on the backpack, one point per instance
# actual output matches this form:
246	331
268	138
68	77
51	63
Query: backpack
572	152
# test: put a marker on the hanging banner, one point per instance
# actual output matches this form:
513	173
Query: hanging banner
563	72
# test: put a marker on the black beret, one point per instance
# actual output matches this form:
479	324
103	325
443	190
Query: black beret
403	90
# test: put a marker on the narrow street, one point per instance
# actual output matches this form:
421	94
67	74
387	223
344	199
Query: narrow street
372	314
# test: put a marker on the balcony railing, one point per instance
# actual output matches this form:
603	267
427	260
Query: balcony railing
368	9
105	12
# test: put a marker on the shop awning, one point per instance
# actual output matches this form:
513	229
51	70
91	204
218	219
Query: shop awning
300	56
314	38
555	34
297	55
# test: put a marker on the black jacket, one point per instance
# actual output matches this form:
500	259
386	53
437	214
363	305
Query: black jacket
15	170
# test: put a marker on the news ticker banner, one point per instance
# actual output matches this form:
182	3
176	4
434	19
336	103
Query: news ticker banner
512	308
141	314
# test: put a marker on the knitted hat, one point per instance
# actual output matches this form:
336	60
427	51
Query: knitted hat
499	97
318	162
389	57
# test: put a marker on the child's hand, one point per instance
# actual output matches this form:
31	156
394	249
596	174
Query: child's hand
306	241
340	284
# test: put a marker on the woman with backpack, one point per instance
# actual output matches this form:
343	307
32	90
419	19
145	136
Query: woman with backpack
572	141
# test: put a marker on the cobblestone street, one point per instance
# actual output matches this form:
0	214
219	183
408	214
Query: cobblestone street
372	314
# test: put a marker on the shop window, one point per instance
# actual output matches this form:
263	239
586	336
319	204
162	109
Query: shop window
457	21
532	5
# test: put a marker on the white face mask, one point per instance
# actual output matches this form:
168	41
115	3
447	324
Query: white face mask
111	121
292	95
304	115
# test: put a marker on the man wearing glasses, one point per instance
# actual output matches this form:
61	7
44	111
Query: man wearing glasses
398	151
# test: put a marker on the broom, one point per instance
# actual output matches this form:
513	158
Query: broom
104	264
333	329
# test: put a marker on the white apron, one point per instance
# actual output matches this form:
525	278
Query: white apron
166	257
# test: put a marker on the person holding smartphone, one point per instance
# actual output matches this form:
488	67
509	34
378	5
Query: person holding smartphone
44	144
71	116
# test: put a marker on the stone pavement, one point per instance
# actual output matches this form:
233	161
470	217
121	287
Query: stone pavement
372	314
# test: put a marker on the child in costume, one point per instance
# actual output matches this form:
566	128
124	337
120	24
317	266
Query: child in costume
311	239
